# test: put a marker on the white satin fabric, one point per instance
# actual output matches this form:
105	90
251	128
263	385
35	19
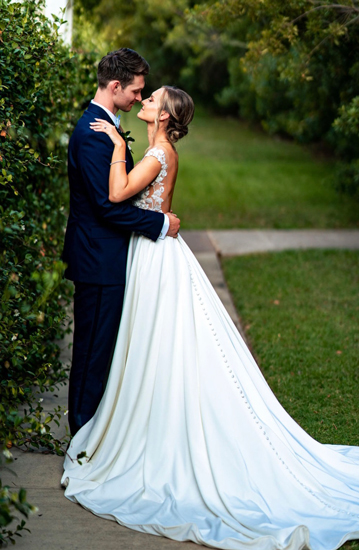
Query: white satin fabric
189	441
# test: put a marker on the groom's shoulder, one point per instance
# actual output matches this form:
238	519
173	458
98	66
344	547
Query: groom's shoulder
82	130
85	141
83	124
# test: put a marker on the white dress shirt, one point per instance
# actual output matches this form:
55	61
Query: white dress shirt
113	117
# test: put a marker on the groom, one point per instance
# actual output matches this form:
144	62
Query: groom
98	233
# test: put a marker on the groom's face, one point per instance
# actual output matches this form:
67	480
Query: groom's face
125	98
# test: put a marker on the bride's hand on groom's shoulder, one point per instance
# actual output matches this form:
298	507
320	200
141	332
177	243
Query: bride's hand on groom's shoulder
107	128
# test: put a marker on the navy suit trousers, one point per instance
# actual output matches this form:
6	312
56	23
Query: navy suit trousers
97	313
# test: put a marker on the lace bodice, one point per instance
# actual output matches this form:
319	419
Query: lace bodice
151	197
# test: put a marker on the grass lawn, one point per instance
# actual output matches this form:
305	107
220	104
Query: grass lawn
300	311
231	177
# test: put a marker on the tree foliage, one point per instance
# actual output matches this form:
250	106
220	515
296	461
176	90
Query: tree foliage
293	67
157	29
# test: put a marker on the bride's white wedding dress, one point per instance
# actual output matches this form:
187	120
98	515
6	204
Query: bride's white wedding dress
189	441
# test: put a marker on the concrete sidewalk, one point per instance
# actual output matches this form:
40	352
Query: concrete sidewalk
62	525
236	242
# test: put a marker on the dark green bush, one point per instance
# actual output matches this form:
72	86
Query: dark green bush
43	87
11	503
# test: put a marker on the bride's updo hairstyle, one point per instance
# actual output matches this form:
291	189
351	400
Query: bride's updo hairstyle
179	105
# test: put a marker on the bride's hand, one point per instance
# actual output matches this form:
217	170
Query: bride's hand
107	128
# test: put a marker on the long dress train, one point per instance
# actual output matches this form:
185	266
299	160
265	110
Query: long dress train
189	442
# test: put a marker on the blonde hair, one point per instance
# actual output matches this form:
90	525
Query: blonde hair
179	105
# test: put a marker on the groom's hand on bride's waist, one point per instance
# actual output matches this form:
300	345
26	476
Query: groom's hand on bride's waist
174	225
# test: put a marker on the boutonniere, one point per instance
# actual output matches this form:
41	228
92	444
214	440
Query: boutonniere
128	139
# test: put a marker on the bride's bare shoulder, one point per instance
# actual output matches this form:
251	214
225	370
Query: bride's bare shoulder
170	153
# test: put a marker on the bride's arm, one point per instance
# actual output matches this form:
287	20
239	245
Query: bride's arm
122	186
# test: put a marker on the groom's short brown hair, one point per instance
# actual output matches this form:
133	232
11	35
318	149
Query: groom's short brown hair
123	65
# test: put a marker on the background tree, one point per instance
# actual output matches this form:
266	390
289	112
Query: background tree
292	66
156	28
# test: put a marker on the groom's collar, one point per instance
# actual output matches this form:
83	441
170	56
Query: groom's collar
109	113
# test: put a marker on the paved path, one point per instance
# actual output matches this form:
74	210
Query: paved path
62	525
236	242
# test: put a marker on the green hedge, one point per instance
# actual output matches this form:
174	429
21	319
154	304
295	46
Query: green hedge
43	87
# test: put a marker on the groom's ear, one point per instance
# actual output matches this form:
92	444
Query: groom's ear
115	86
164	115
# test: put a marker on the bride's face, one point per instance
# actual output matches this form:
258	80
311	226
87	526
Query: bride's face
150	106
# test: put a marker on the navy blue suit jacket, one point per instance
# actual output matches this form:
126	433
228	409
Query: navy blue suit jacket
98	231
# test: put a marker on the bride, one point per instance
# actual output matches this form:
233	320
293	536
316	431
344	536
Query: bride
188	441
